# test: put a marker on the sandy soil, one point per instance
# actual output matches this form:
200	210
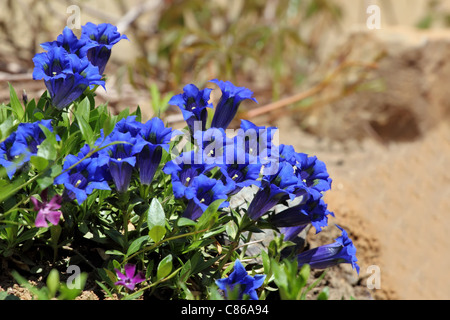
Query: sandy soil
394	200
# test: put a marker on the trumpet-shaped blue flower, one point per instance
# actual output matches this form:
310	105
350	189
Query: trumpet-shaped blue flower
17	149
152	139
29	136
101	38
242	175
7	160
84	178
341	251
69	41
276	188
244	170
293	219
229	103
311	172
120	158
201	193
183	170
128	125
193	104
65	75
241	281
258	140
214	144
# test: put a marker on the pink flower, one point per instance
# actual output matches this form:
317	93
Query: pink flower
47	211
129	280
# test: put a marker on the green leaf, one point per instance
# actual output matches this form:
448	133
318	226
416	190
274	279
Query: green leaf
108	125
186	271
47	149
164	267
48	178
15	103
156	220
39	163
29	109
210	216
266	261
6	296
133	295
232	229
136	245
114	253
281	279
313	285
53	282
67	293
84	109
7	127
182	221
86	130
29	234
304	274
199	264
324	294
157	233
105	288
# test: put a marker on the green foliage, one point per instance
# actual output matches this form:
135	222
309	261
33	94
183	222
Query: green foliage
55	289
290	281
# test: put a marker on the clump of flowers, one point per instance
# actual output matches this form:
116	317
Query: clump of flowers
163	211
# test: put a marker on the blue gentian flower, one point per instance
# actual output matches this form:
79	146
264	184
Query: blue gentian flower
17	149
102	38
311	172
290	233
120	158
201	193
7	160
311	211
242	173
29	136
341	251
152	139
84	178
246	284
214	144
193	104
229	103
275	189
258	140
69	41
130	125
66	76
183	170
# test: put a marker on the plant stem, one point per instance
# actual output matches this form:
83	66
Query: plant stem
157	244
158	282
242	227
125	228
